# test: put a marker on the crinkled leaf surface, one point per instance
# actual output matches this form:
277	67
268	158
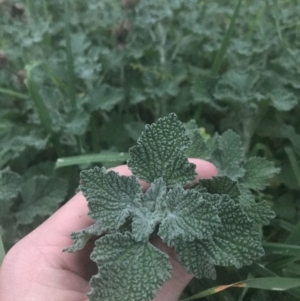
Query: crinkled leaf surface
111	197
128	270
81	237
235	244
259	172
160	153
146	217
41	197
220	185
188	217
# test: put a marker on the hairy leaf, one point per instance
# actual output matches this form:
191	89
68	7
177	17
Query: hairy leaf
111	197
128	270
151	159
188	217
235	244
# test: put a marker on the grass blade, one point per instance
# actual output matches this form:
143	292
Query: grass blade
93	158
260	269
294	163
267	283
294	237
39	103
13	93
70	58
221	53
2	251
281	249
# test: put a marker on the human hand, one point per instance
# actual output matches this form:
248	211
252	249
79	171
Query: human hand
36	269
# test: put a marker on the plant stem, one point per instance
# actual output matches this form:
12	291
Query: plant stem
70	58
13	93
221	53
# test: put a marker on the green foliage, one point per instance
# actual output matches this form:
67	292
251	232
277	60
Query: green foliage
79	83
207	225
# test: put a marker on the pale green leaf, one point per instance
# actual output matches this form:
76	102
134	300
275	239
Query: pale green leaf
111	198
41	197
238	86
81	237
189	216
259	172
105	98
283	100
160	153
128	271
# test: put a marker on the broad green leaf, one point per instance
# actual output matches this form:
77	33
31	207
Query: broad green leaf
235	244
9	189
220	185
259	172
151	159
128	271
76	121
189	217
283	100
81	237
229	155
111	198
105	98
41	197
9	185
238	86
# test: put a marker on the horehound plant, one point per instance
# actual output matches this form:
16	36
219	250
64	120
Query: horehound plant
214	222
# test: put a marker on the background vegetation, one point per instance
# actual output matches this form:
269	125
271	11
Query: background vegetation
79	80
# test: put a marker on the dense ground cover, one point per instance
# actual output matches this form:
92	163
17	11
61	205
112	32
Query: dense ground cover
80	81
